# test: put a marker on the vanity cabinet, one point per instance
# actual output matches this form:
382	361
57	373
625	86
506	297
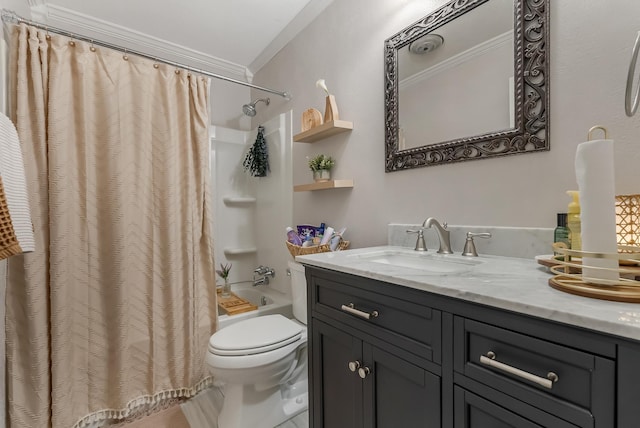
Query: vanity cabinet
429	360
373	359
364	385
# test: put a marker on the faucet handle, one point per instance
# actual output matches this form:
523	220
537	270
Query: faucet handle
420	244
470	246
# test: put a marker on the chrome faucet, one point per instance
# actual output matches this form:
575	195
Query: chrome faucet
263	273
261	270
443	234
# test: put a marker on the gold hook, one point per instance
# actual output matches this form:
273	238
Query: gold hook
92	48
46	32
594	128
125	56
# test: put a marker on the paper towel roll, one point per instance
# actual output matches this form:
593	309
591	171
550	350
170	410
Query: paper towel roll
596	181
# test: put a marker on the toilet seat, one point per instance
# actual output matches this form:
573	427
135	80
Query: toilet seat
255	336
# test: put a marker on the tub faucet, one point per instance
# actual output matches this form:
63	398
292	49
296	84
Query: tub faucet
261	275
443	234
261	270
263	280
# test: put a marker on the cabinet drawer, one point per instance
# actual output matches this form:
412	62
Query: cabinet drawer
473	411
522	366
408	325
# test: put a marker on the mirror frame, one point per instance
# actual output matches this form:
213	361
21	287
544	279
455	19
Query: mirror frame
531	89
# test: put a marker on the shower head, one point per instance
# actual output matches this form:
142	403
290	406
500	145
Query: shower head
250	109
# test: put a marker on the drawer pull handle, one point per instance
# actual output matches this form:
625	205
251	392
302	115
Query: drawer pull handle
352	310
490	360
354	365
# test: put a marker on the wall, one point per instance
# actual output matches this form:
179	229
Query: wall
468	99
345	46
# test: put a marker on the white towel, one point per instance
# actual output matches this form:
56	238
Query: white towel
596	180
16	228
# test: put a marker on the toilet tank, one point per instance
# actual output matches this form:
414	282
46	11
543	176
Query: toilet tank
298	291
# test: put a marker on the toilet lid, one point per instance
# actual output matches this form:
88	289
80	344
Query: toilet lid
255	335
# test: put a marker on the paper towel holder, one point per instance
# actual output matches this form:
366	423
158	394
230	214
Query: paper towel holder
595	128
568	276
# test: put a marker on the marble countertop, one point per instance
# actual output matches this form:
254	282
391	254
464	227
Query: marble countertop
515	284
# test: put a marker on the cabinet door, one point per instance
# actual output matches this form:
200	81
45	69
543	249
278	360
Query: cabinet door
398	393
472	411
336	390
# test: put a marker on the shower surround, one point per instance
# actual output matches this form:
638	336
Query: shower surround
251	213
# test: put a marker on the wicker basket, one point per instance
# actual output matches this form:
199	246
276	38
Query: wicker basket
297	250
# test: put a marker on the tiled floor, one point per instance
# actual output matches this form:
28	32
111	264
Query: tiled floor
299	421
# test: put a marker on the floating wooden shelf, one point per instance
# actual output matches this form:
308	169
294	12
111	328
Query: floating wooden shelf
323	131
331	184
238	200
239	251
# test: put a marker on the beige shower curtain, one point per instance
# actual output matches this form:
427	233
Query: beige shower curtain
114	309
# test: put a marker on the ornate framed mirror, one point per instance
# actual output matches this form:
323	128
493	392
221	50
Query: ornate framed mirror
468	81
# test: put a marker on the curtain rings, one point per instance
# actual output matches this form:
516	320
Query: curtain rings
155	63
46	33
92	48
125	56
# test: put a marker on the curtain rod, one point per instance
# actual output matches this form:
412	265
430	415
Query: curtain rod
12	17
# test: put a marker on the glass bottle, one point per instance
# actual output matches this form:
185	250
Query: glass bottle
561	233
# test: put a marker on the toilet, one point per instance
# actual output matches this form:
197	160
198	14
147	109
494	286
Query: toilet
262	364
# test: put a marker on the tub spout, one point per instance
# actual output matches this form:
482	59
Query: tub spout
262	274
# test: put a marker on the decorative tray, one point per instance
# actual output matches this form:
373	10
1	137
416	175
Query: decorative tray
235	305
624	286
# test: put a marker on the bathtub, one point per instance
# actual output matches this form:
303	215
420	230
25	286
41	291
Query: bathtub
268	301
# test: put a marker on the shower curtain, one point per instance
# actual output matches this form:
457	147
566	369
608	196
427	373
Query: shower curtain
113	311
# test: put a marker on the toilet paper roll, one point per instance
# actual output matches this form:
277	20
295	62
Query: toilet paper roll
596	180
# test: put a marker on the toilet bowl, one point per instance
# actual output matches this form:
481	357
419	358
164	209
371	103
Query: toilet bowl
262	364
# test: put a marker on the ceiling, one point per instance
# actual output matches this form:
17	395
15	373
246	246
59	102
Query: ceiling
231	37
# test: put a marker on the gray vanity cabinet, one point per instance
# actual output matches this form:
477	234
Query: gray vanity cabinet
383	390
338	401
425	360
360	380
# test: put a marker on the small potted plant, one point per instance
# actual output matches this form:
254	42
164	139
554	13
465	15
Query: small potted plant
223	272
321	166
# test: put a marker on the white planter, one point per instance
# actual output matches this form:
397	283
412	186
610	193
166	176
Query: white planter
321	175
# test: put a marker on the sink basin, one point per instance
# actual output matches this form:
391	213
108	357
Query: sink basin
430	263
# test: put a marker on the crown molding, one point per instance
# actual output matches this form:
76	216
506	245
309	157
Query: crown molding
477	50
86	25
301	21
